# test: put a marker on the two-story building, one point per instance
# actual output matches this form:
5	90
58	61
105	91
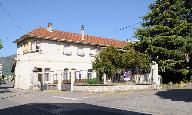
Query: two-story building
48	56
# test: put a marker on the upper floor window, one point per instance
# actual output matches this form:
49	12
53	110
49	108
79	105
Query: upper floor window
35	46
98	49
92	52
67	50
80	51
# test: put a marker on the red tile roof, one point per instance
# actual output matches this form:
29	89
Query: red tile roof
58	35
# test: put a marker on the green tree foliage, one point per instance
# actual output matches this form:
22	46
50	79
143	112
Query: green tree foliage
165	36
112	60
132	58
1	44
108	61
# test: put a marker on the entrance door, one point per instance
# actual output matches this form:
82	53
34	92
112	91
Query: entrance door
40	79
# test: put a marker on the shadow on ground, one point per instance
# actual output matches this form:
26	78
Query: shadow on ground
4	89
64	109
176	94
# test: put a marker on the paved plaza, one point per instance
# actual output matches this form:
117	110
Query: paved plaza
164	102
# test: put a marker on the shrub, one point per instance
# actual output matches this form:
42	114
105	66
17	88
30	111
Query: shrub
93	81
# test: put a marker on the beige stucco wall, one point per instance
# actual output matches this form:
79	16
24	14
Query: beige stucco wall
51	57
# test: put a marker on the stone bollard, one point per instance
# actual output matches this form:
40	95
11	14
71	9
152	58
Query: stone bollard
105	79
181	83
171	84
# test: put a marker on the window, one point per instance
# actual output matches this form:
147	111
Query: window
75	75
98	49
65	75
35	46
46	77
89	73
67	50
69	75
92	52
80	51
78	75
40	77
55	76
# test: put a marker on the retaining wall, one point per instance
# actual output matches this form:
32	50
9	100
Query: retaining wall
113	88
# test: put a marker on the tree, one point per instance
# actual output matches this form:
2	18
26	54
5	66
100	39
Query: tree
132	58
165	36
113	61
1	44
108	61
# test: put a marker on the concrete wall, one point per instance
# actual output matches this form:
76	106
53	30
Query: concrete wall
114	88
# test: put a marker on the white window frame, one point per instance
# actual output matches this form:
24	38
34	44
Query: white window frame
65	75
89	75
47	78
92	51
67	49
36	46
78	75
80	51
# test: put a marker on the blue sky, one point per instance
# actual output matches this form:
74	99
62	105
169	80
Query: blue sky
104	18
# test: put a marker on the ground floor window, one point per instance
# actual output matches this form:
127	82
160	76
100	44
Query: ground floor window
55	76
40	77
65	75
89	74
47	77
78	75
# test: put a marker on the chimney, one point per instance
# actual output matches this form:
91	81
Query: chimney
128	40
82	32
50	27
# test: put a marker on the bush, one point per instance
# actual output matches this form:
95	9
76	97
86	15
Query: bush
93	81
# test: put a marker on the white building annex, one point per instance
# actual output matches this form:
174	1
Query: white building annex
47	56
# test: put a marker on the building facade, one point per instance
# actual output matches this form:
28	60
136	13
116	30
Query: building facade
1	70
46	56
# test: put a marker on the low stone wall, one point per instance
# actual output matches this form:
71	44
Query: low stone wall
113	88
